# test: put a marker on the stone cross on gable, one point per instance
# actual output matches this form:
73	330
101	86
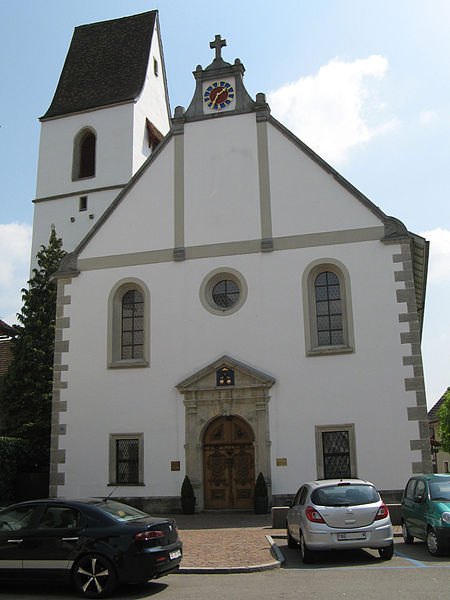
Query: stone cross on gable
217	44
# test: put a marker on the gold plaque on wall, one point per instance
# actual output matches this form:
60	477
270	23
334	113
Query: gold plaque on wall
175	465
281	462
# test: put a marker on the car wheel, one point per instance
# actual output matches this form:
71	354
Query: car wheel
387	552
291	542
432	543
94	576
305	552
407	537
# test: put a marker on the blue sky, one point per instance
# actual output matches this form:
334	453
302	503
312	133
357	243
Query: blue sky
365	84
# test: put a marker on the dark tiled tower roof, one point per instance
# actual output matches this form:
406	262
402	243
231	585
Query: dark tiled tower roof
106	64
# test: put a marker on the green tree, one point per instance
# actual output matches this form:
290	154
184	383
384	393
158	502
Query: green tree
26	398
444	422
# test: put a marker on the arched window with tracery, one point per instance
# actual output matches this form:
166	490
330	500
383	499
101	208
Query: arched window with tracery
327	308
129	324
132	325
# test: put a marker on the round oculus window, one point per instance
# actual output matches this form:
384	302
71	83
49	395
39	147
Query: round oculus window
223	291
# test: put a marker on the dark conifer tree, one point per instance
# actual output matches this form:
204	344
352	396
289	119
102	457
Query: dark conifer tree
26	398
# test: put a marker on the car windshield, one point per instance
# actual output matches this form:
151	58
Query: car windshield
344	495
121	512
440	490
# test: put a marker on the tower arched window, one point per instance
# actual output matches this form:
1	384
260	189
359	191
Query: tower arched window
84	154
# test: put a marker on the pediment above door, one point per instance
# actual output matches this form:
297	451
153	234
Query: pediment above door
208	377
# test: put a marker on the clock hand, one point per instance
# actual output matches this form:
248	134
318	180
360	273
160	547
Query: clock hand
215	102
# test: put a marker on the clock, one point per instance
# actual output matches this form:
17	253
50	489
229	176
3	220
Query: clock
218	95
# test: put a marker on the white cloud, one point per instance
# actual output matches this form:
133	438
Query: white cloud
439	261
336	109
428	117
15	248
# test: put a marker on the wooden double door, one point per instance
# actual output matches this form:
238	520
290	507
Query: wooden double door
228	464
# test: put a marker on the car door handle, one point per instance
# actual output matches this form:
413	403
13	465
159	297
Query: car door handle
15	541
71	539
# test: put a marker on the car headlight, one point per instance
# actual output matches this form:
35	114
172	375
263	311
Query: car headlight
446	517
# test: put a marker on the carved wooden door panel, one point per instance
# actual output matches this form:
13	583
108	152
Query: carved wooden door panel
228	464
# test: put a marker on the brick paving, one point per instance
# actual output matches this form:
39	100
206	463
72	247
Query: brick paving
226	541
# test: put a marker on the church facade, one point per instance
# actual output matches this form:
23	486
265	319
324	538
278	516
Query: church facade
234	305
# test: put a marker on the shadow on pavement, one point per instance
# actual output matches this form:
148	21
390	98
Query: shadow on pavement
418	551
222	520
38	590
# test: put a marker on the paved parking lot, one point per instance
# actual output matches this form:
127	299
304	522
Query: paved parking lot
405	556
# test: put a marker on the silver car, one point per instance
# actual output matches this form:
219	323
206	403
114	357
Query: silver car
334	514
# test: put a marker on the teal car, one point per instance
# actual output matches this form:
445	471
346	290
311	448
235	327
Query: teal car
425	511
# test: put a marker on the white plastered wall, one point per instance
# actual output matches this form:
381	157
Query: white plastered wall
151	104
305	198
221	184
365	388
143	220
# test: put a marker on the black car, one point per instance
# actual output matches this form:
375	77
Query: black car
94	543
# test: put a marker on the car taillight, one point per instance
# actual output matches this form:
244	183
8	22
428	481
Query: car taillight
313	515
149	535
382	513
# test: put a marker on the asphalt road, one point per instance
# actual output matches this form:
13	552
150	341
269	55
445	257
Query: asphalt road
359	575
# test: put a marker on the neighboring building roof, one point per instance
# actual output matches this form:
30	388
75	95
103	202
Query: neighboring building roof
106	64
432	413
5	356
6	330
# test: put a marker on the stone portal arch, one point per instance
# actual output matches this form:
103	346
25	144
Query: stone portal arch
242	397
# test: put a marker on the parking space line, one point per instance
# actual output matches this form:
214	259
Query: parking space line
368	568
415	562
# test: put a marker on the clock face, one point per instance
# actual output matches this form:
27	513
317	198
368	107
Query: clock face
218	95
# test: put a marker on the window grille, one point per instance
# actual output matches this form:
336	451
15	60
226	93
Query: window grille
336	454
127	461
328	310
132	325
225	293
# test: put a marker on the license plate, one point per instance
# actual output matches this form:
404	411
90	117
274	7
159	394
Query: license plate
175	554
358	535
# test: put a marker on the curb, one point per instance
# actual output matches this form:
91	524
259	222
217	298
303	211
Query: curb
228	570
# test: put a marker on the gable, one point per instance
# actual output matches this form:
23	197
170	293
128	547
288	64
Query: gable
305	197
141	217
244	376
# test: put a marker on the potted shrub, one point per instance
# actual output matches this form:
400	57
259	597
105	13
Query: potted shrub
260	498
187	497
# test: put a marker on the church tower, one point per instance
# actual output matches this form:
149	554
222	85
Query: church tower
109	112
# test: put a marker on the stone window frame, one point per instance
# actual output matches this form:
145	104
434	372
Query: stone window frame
350	428
76	160
114	360
113	437
309	308
207	286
